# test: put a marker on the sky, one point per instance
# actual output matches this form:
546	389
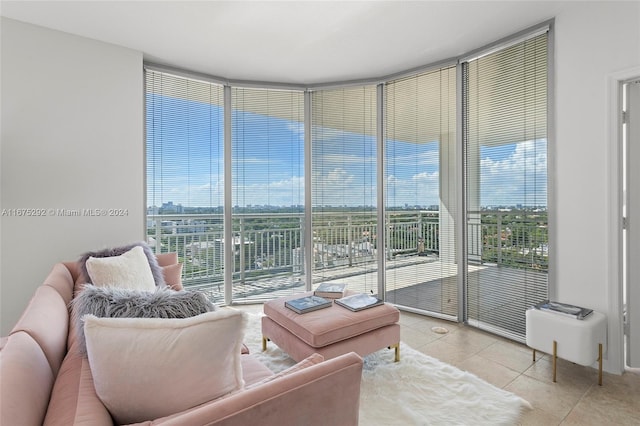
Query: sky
185	163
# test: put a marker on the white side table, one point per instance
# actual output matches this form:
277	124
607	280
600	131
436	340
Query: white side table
579	341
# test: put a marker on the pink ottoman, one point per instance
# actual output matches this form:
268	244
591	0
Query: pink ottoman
331	331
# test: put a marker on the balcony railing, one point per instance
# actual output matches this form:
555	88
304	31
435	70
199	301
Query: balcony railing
271	244
514	238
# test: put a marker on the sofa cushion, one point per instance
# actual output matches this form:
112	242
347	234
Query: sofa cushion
312	359
26	381
253	370
124	303
156	271
173	276
73	398
129	270
61	278
166	259
144	368
46	320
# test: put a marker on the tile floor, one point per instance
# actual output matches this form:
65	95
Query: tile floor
575	399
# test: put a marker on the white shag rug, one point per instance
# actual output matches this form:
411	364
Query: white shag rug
418	390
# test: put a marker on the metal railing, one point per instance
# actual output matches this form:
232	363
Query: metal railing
271	244
514	238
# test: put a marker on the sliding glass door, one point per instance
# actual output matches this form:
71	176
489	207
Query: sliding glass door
267	192
344	188
505	142
420	184
185	176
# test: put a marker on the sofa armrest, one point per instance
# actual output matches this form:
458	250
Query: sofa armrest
322	394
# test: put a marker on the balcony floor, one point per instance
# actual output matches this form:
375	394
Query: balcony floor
497	296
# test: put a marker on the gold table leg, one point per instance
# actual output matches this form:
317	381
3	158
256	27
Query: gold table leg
600	364
264	343
555	356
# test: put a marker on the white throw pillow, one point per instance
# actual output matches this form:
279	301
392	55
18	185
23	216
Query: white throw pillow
146	368
129	270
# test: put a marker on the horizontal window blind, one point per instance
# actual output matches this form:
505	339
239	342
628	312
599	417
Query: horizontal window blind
420	137
268	191
344	212
505	121
184	149
184	142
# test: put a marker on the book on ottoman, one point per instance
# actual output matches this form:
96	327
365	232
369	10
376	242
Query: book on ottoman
358	302
331	290
307	304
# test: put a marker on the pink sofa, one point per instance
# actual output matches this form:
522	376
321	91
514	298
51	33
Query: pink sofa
43	380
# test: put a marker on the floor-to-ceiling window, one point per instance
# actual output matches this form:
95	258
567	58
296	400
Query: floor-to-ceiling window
344	199
420	186
184	175
505	141
389	152
267	192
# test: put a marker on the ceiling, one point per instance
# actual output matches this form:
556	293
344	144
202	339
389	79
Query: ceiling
302	42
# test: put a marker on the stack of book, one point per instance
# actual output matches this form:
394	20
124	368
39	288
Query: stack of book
565	309
331	290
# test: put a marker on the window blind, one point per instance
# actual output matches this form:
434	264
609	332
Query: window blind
344	211
184	172
268	190
505	138
420	137
184	142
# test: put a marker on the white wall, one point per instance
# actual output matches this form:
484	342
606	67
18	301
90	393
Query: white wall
72	138
593	40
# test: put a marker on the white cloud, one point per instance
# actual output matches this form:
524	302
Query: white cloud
519	178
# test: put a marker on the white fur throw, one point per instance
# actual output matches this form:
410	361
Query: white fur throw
125	303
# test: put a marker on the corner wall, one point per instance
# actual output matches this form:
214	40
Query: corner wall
72	132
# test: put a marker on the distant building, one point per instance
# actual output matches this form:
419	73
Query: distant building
170	208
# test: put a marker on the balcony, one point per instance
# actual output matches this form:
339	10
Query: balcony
268	256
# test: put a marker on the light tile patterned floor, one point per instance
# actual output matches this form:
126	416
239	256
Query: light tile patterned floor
575	399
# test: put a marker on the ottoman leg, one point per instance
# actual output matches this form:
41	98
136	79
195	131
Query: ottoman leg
396	347
264	343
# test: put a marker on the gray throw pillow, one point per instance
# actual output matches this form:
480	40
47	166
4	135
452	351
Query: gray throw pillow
115	302
156	270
